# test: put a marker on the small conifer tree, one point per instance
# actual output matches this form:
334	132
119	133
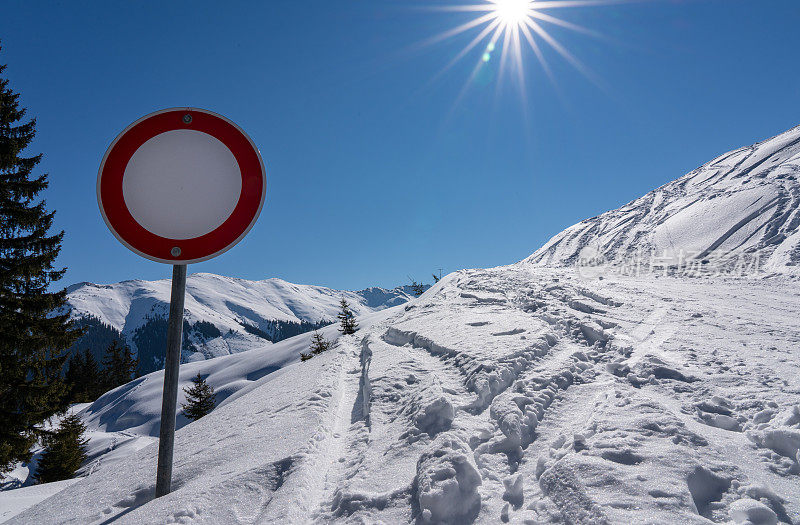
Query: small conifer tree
64	451
72	377
318	345
83	378
200	399
416	288
347	320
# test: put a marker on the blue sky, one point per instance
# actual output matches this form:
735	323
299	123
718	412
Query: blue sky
374	172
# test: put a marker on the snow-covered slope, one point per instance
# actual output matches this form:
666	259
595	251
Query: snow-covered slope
740	209
518	394
244	314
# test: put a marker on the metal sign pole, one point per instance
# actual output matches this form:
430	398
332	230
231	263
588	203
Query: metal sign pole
166	439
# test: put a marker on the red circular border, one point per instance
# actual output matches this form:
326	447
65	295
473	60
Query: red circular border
137	238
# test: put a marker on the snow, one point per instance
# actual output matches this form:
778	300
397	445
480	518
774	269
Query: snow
12	502
520	394
134	409
125	420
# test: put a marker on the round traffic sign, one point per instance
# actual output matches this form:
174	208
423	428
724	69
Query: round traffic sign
181	185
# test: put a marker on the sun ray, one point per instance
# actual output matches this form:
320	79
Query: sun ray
540	56
475	41
568	25
561	50
494	25
518	58
517	41
504	54
556	4
458	30
492	42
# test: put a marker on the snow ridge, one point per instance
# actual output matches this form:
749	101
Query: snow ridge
742	208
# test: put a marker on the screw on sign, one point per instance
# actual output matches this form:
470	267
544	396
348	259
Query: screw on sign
180	186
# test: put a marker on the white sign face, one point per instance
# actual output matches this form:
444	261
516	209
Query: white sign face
181	185
197	183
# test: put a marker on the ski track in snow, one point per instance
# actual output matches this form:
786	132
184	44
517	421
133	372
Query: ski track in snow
332	464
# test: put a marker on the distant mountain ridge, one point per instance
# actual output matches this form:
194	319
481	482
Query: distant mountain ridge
223	315
742	208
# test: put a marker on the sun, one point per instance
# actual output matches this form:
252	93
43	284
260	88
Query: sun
506	27
512	12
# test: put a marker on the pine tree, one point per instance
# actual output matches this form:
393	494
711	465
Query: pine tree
200	399
347	319
92	380
33	342
83	378
72	377
119	365
64	451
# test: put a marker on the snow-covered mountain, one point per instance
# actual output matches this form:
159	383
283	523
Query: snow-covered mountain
520	394
742	209
223	315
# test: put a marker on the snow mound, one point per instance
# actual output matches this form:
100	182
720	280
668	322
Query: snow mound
750	511
447	479
12	502
740	211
